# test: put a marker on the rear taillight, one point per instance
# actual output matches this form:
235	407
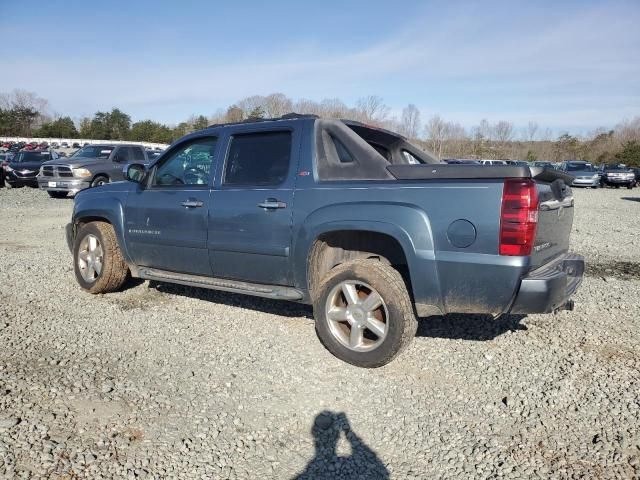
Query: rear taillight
519	216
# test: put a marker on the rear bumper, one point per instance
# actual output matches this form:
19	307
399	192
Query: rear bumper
549	287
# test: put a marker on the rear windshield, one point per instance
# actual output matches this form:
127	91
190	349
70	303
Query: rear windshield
23	157
94	151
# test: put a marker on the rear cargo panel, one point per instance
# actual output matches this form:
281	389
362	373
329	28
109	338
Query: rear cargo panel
555	219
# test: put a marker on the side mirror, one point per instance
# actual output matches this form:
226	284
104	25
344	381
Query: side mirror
135	172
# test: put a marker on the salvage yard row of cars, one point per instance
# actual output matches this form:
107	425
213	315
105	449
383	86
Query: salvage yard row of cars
39	165
51	170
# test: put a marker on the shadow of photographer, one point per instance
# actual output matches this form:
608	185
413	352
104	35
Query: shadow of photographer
363	463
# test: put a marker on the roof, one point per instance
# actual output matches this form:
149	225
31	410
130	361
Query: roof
288	116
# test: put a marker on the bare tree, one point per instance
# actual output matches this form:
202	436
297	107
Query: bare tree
503	132
410	121
532	129
436	132
304	105
372	109
276	105
249	104
334	108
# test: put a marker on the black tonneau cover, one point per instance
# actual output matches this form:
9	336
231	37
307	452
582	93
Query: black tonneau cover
443	171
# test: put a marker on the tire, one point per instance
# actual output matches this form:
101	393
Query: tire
394	317
112	272
617	186
54	194
99	180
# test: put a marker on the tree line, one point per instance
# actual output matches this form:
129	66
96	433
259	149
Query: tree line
25	114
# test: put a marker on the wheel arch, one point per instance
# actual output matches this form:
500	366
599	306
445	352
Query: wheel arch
403	225
101	174
111	211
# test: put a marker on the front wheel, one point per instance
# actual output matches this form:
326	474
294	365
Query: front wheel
99	180
363	313
98	262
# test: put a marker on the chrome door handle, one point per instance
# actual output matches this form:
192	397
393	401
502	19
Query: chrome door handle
272	203
192	203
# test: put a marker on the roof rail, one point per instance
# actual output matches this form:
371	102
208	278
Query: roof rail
288	116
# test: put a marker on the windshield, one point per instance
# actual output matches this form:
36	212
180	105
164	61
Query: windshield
616	168
23	157
94	151
580	167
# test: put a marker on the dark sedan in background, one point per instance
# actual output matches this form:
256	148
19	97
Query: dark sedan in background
23	168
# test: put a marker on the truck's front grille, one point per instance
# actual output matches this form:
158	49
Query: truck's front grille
64	171
56	171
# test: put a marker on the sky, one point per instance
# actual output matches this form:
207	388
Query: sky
567	65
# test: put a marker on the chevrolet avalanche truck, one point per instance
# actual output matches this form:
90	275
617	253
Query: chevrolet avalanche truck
91	166
354	220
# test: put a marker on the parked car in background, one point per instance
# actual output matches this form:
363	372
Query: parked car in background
54	145
64	145
152	155
461	161
75	145
3	164
22	170
519	163
493	162
91	166
618	175
543	164
584	173
307	210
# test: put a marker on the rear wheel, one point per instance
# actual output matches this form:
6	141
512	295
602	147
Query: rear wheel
99	180
53	194
98	262
363	313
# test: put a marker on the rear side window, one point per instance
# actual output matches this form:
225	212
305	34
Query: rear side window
123	155
258	159
410	158
343	154
138	154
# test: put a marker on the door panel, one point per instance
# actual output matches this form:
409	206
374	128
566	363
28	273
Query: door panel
166	220
163	233
250	222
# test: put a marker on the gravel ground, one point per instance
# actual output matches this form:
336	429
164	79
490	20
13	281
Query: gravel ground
163	381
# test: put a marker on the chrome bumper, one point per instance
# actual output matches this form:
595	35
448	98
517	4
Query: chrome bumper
62	184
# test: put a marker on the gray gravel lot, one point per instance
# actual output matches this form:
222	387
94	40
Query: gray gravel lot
163	381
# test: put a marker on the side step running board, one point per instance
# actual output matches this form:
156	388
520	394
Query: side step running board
259	290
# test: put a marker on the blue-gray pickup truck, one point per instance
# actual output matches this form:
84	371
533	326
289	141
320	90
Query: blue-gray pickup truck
352	219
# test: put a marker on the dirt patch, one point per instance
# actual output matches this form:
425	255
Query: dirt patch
621	270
